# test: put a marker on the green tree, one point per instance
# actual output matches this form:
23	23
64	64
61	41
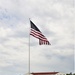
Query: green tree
73	73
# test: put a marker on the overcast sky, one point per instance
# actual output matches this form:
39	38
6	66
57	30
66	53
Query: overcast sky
55	19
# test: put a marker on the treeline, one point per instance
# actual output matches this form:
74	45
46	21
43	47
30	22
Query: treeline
70	74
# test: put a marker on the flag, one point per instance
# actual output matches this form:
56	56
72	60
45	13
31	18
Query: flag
38	34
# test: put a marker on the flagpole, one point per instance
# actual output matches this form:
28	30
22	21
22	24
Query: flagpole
29	51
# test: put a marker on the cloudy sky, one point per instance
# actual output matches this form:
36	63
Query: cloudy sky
55	18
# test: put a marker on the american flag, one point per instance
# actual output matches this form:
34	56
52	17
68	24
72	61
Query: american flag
38	34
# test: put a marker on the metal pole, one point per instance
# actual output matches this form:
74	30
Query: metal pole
29	49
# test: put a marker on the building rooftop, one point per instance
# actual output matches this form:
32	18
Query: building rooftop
45	73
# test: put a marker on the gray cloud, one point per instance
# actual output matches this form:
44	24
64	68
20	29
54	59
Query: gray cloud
55	19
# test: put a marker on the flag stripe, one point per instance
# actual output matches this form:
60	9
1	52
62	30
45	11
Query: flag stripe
37	34
43	42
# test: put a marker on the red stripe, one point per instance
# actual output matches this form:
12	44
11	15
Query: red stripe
43	42
38	35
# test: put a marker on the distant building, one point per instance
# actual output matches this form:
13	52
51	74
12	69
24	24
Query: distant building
48	73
